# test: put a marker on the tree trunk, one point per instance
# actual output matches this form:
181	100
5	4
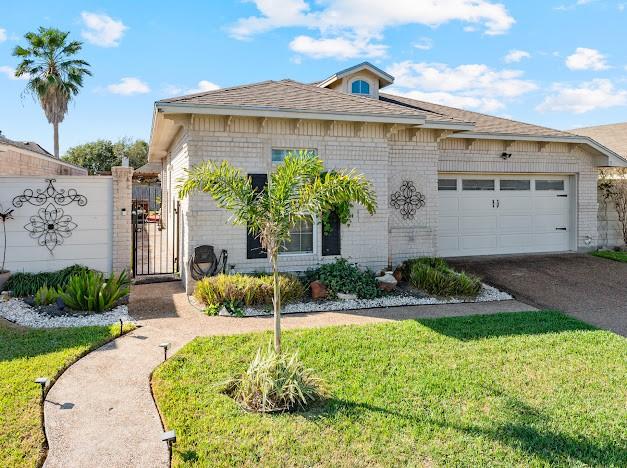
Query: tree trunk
56	139
277	305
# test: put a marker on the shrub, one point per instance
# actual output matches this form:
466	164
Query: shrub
343	277
90	291
46	296
275	382
27	284
246	289
436	277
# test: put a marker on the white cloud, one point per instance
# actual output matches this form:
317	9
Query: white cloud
474	86
586	59
424	44
102	30
514	56
3	34
358	25
129	86
10	73
339	47
202	86
588	96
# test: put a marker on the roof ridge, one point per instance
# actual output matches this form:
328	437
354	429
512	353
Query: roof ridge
326	91
616	124
480	114
213	91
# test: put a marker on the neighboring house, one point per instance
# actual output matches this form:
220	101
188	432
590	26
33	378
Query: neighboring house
27	158
613	136
484	185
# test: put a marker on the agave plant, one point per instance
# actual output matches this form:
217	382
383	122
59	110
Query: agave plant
90	291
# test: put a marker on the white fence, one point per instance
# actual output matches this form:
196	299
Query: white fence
52	228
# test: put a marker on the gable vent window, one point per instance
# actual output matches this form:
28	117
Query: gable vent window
360	87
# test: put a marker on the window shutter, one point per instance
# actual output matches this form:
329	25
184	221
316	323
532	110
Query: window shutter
331	242
253	245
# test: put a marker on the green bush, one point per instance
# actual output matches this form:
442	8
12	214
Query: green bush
246	289
435	276
90	291
27	284
46	296
343	277
275	382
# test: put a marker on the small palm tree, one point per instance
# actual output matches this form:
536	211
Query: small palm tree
296	190
54	77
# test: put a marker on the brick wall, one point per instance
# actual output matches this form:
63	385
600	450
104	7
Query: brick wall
385	155
121	218
14	162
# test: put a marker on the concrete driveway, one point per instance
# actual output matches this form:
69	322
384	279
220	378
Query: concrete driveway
589	288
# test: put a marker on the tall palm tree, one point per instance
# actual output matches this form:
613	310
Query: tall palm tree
296	190
54	77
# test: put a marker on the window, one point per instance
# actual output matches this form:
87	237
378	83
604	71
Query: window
302	238
515	184
360	87
550	185
447	184
278	155
477	184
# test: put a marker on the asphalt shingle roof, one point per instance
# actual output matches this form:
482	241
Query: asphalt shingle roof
483	123
293	96
27	145
613	136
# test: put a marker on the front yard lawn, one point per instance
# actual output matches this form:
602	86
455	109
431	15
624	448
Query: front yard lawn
612	255
534	388
24	356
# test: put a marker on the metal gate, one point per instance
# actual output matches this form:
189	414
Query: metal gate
155	232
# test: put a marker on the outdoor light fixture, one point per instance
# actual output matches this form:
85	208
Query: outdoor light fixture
43	381
505	155
165	347
169	437
588	241
121	326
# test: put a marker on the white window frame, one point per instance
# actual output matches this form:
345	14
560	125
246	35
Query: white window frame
314	240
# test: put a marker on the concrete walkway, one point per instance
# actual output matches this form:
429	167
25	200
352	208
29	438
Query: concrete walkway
100	413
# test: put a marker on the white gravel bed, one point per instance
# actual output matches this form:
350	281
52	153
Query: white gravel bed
487	294
17	311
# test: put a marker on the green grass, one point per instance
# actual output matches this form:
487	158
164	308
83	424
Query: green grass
24	356
611	255
525	389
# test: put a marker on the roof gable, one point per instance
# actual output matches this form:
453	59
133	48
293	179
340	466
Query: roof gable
385	79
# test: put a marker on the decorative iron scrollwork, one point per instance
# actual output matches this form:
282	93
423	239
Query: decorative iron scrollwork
39	197
50	226
408	200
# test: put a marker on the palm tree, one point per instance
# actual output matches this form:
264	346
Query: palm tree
296	190
54	77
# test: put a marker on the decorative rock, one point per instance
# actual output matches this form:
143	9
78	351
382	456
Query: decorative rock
387	282
346	297
5	296
318	290
398	274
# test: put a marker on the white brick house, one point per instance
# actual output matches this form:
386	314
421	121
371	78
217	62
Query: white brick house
489	185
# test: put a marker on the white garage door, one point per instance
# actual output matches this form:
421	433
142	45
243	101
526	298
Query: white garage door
485	215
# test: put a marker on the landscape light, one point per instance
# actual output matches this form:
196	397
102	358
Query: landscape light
43	381
169	437
165	347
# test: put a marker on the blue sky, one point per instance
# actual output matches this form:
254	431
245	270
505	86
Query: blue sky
561	64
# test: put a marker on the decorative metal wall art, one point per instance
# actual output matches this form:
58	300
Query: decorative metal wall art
50	226
40	197
408	200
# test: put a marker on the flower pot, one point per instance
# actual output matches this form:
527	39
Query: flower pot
4	277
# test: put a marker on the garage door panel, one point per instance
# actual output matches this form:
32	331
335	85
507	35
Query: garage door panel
449	225
471	243
478	224
520	221
516	223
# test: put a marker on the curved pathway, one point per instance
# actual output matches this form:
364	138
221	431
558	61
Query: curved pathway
100	413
